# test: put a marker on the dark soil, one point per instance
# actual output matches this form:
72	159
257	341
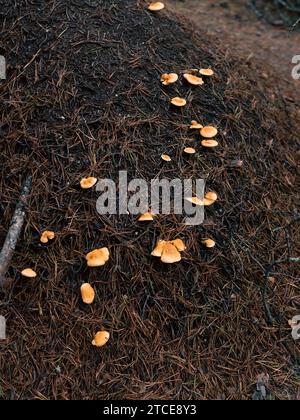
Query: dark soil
83	97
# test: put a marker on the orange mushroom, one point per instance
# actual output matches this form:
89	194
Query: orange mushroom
97	257
28	272
46	236
169	78
169	251
193	80
209	243
146	217
166	158
87	183
195	200
195	125
170	254
209	198
208	132
189	150
156	6
87	293
101	338
206	72
209	143
178	102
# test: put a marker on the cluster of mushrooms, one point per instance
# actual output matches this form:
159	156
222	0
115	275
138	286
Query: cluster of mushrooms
169	252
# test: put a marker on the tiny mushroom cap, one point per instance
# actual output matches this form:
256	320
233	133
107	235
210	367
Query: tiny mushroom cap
170	254
208	132
206	72
87	293
179	244
157	252
166	158
101	338
195	200
195	125
193	80
189	150
209	243
168	78
156	6
87	183
146	217
28	272
209	143
178	101
46	236
97	257
209	198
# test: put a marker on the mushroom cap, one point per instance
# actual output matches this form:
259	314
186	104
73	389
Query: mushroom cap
208	132
206	72
193	80
189	150
209	143
196	125
101	338
156	6
209	198
28	272
87	293
146	217
179	244
209	243
46	236
168	78
87	183
166	158
196	201
97	257
157	252
170	254
178	101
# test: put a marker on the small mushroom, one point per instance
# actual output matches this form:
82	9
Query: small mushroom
87	183
87	293
178	102
195	200
166	158
195	125
206	72
193	80
46	236
170	254
209	143
209	243
101	338
179	244
28	272
146	217
169	78
97	257
156	6
158	249
209	198
208	132
189	150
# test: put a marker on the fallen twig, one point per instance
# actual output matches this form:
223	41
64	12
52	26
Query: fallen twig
13	233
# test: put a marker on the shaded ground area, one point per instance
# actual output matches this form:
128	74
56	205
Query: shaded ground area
254	33
83	97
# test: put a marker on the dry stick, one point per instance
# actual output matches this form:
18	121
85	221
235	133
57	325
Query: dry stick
13	233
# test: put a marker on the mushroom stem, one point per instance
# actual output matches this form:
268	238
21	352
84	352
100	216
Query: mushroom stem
13	233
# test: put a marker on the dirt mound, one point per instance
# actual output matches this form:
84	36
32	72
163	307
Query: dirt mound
83	97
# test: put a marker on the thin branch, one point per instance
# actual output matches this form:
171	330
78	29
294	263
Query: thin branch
13	234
